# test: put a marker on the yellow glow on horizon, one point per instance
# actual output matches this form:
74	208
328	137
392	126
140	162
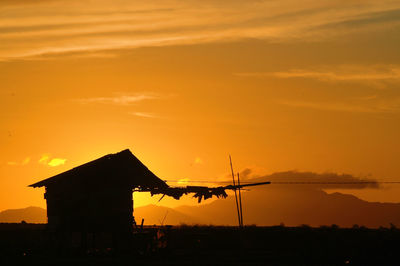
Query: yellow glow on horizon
183	181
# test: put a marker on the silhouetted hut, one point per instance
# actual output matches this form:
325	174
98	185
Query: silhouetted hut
97	196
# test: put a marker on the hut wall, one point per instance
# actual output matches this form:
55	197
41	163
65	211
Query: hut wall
89	209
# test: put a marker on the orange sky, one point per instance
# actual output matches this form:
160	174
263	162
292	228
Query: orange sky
280	86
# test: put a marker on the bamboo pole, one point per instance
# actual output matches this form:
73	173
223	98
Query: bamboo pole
234	184
240	201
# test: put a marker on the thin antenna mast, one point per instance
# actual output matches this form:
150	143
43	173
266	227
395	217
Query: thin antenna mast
234	184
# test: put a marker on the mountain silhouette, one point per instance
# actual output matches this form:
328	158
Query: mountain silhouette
156	215
262	206
29	215
296	207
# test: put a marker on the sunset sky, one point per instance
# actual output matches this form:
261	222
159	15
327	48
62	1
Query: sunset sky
280	85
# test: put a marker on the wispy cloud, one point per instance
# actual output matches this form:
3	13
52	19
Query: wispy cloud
26	161
198	160
355	73
45	159
23	162
124	99
144	115
56	162
380	107
30	30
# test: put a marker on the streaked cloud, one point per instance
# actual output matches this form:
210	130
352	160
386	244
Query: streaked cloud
45	159
60	27
367	98
341	73
123	99
144	115
380	107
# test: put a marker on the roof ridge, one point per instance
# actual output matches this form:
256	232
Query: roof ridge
132	168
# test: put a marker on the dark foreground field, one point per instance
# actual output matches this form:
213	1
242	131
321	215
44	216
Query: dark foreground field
208	245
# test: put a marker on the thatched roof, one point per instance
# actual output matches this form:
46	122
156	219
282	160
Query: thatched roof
121	168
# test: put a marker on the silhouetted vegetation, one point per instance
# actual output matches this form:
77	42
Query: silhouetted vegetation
275	245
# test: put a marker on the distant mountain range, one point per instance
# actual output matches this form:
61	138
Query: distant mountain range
29	215
261	206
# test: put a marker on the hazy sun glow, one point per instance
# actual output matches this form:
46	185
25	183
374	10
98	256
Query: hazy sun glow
279	85
183	181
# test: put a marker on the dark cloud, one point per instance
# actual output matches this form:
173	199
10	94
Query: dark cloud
311	180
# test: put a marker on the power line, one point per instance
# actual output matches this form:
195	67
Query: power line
290	182
333	183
